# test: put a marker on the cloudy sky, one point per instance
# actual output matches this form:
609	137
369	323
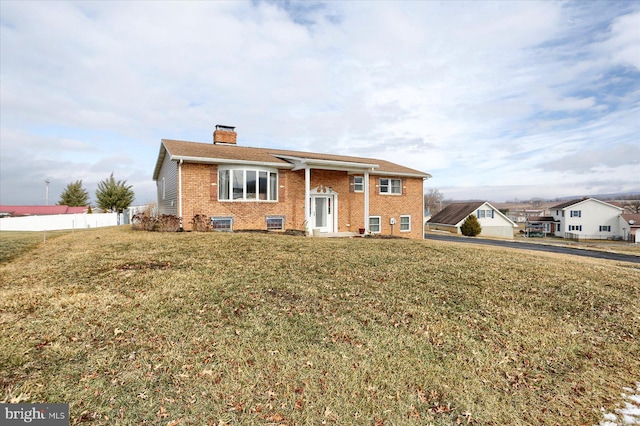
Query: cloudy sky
497	100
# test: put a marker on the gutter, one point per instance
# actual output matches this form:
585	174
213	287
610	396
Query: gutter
228	161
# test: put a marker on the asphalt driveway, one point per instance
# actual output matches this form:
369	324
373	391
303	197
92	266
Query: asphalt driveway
536	247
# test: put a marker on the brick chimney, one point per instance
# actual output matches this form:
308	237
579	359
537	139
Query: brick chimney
224	135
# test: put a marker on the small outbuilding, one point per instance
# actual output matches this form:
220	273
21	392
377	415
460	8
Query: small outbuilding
493	222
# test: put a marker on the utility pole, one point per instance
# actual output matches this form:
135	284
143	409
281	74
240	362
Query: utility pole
46	194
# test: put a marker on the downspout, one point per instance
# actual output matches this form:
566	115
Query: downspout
180	194
307	199
366	202
422	218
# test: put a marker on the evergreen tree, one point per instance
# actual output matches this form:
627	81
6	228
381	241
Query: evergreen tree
471	227
74	195
114	195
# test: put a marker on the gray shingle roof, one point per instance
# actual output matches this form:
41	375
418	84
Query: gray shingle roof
455	212
566	204
209	152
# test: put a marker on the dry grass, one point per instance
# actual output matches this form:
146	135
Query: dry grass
15	243
216	328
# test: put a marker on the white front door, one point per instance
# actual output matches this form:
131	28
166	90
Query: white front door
322	217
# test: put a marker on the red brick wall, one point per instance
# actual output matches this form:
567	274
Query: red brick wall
393	206
200	194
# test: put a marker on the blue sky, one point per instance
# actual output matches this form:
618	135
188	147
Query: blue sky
497	100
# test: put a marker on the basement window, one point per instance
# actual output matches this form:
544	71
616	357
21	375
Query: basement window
275	223
219	223
374	224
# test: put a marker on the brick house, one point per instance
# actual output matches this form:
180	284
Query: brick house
242	188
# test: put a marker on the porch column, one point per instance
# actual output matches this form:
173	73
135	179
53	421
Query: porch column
180	194
307	197
366	202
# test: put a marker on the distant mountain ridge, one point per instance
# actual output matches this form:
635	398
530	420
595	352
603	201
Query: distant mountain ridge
603	197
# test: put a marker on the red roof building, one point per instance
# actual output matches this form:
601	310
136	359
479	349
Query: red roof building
39	210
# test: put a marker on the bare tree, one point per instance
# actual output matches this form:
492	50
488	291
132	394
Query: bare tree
536	203
632	204
433	200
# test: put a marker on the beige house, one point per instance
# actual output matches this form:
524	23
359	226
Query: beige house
492	221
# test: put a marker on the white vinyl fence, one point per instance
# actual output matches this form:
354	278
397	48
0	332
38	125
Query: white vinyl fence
60	221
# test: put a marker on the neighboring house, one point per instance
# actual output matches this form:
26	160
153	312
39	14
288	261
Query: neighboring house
492	221
539	226
238	188
13	211
587	218
630	224
524	215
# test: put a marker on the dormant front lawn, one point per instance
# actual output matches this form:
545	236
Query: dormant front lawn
215	328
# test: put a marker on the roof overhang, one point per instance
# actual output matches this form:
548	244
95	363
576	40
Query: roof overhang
301	163
203	160
159	161
569	207
400	174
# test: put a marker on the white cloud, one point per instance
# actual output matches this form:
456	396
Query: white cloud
624	42
475	93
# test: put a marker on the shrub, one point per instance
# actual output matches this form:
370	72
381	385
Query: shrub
163	223
471	227
142	222
201	223
168	223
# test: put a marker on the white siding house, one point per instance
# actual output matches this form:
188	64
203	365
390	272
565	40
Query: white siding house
588	218
492	221
167	184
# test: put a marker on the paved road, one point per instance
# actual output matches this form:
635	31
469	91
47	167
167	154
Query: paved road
538	247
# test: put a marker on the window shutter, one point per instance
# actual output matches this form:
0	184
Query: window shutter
213	179
491	214
352	184
404	188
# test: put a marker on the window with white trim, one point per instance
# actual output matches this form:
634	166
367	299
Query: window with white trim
375	224
275	223
484	213
575	227
390	186
358	184
405	223
605	228
247	184
575	213
222	223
